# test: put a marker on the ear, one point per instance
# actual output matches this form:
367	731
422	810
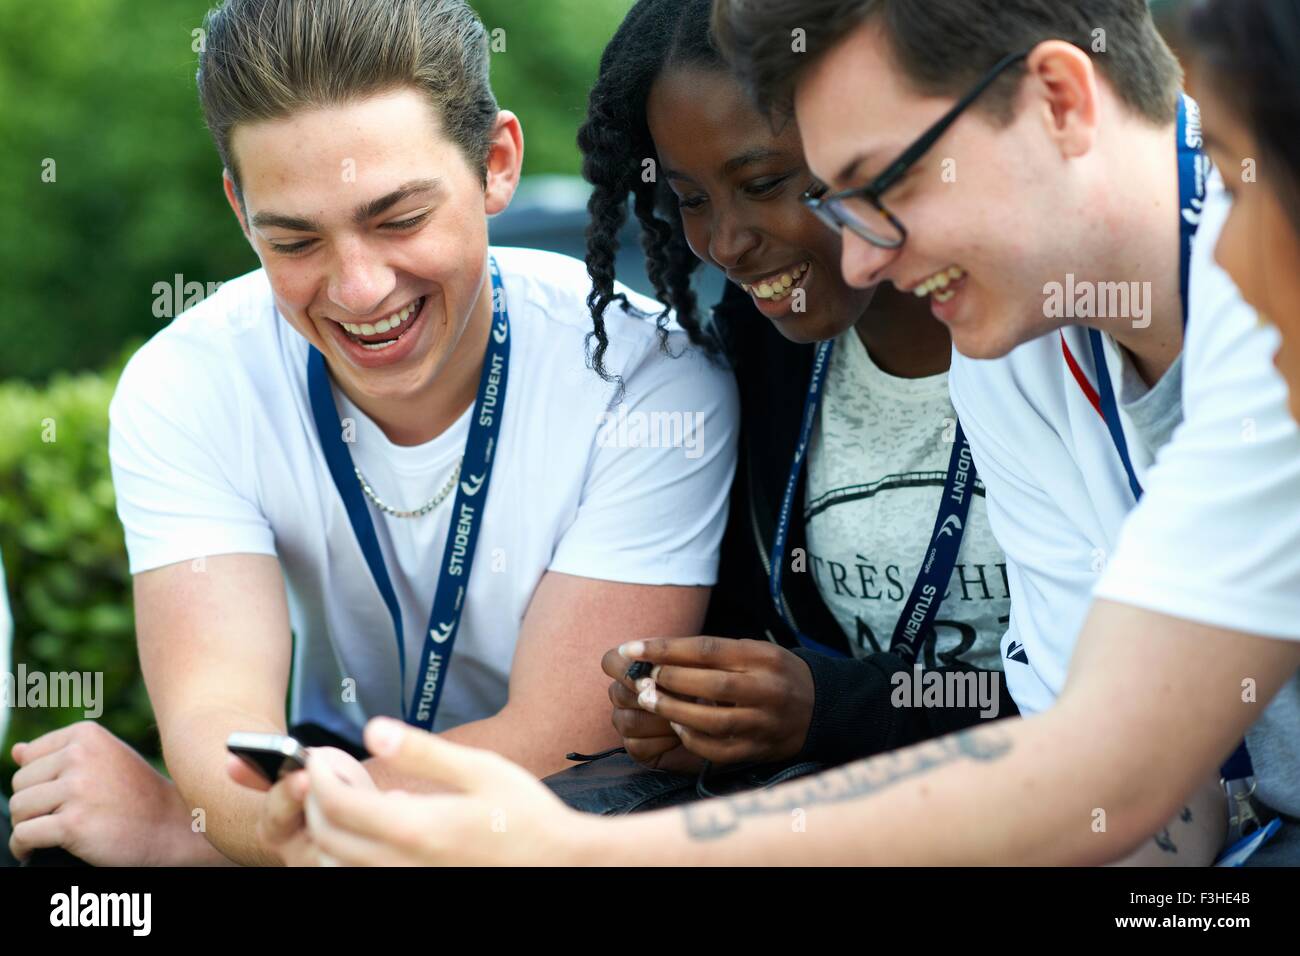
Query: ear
232	197
1067	92
505	162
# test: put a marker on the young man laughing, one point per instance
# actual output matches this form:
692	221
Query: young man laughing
375	463
980	153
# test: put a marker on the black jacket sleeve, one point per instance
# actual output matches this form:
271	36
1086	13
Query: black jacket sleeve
854	714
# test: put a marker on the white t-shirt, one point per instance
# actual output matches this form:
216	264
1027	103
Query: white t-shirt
214	451
877	464
1217	537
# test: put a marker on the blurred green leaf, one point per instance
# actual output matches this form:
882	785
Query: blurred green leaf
105	89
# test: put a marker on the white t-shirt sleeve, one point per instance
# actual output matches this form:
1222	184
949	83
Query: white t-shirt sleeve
1052	564
179	465
654	507
1216	538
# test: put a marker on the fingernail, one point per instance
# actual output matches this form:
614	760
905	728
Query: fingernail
654	672
632	649
385	736
677	728
643	683
648	697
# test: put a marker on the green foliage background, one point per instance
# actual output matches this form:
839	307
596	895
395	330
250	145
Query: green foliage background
105	89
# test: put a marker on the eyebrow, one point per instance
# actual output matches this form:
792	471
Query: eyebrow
853	165
361	214
748	158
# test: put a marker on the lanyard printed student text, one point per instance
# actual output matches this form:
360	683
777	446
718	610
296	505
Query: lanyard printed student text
1192	171
922	605
467	513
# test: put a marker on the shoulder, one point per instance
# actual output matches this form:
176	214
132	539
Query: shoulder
1225	483
548	292
1027	385
201	354
557	287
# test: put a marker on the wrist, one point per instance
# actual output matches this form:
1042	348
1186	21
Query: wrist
639	839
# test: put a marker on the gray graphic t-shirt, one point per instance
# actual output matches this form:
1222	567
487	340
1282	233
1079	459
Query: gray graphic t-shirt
876	469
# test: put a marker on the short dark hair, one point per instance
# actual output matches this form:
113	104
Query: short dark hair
1252	51
945	46
266	59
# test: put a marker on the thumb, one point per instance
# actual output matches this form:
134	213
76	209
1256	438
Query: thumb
425	755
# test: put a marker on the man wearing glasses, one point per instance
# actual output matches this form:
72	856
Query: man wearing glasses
1016	161
1061	174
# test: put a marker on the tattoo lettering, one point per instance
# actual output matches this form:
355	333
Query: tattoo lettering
711	819
1164	840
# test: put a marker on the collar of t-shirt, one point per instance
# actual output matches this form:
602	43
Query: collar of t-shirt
1151	412
414	473
852	356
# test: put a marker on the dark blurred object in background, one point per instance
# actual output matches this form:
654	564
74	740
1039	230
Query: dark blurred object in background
1171	19
550	212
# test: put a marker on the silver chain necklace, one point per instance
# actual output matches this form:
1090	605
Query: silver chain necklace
425	508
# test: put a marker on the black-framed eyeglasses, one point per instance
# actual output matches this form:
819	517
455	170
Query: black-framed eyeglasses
861	209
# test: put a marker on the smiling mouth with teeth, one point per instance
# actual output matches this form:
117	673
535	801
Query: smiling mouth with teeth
364	334
778	287
937	285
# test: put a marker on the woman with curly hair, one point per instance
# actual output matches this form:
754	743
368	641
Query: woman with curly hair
849	447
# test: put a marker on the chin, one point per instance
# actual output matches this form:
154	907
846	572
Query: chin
810	330
979	344
991	338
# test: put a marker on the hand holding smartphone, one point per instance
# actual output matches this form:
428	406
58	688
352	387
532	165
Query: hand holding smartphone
270	756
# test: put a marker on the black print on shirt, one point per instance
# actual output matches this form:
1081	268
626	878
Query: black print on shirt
960	638
862	580
913	479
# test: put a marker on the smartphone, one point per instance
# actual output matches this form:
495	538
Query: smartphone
270	755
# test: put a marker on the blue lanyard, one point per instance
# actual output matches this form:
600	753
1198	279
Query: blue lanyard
922	605
945	541
1191	195
1192	173
462	536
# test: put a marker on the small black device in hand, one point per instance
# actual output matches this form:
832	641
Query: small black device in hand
270	755
638	670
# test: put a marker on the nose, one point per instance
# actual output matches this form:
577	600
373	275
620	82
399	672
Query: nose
862	262
359	281
731	239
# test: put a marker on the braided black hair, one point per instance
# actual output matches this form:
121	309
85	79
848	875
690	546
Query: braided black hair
616	143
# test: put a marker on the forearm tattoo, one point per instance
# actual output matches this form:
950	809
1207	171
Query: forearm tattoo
1164	840
710	819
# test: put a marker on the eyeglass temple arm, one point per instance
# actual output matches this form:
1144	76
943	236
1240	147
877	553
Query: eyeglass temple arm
926	142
